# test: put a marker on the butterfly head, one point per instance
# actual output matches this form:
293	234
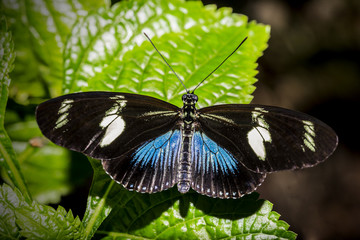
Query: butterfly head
189	99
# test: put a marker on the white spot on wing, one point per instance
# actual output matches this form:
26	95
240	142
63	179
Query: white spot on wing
265	134
65	106
309	135
113	123
118	97
113	131
107	121
63	113
260	109
62	120
154	113
257	143
259	134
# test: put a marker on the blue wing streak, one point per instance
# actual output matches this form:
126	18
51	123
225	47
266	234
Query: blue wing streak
217	173
151	167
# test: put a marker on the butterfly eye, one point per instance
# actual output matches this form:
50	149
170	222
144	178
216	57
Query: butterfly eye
184	97
189	98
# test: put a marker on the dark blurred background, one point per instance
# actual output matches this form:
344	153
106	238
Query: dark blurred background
312	65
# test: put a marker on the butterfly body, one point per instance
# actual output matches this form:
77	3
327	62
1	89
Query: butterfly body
187	123
149	145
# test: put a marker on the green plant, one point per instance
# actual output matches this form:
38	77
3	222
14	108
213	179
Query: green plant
63	47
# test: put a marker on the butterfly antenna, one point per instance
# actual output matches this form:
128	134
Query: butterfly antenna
219	64
166	62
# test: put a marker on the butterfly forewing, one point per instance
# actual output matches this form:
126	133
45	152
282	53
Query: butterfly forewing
105	125
266	139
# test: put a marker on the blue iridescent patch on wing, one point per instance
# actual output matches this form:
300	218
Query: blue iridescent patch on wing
164	148
209	156
150	167
215	171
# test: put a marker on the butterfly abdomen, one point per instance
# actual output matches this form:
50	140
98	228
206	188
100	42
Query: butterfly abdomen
184	170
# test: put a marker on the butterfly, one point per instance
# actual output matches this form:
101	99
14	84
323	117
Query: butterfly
149	145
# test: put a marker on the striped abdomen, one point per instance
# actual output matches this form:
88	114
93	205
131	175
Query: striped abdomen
184	170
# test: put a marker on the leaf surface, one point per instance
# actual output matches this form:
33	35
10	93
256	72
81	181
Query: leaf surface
50	171
40	30
169	214
8	159
33	220
108	51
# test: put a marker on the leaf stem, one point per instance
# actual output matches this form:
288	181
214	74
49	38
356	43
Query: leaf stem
17	178
89	231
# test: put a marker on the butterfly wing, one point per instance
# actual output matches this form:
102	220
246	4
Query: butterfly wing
134	135
104	125
151	167
217	173
266	139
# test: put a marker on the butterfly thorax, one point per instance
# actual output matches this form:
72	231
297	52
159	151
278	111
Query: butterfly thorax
189	110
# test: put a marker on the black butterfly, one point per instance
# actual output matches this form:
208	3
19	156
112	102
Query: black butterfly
149	145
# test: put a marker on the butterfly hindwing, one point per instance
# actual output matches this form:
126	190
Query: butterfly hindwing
151	167
105	125
266	139
215	171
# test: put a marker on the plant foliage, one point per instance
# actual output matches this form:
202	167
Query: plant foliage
66	46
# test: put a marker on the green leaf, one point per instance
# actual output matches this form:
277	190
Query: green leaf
40	29
46	171
192	216
49	170
107	51
33	220
169	214
8	159
8	227
232	83
98	204
23	130
47	174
